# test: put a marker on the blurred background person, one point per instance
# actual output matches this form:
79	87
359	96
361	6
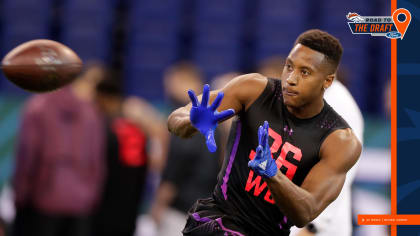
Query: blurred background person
182	182
143	114
59	160
126	165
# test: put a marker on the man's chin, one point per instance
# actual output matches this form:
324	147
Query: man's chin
289	102
292	104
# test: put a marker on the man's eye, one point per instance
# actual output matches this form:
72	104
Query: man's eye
305	72
289	67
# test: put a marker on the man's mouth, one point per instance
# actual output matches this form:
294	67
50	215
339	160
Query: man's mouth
289	92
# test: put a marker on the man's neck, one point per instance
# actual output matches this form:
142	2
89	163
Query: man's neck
308	110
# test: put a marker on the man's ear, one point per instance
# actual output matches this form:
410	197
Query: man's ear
328	81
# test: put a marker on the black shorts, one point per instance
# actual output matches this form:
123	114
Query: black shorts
204	218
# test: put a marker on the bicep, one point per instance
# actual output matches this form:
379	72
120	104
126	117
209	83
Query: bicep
338	154
238	93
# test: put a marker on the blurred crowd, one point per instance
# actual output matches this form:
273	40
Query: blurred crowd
89	160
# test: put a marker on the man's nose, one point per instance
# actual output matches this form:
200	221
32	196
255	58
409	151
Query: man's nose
292	79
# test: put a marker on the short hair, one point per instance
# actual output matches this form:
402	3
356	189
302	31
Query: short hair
110	85
324	43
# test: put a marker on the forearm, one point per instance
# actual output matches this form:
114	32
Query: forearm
179	123
295	202
164	197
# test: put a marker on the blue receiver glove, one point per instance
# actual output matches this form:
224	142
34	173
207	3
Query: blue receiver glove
205	118
263	164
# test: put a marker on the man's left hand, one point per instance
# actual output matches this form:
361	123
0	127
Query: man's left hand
263	163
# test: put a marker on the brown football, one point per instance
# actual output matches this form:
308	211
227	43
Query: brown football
41	65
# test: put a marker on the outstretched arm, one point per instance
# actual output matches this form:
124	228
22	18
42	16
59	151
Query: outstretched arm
322	185
239	93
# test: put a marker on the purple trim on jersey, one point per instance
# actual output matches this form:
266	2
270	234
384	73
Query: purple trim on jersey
235	233
284	221
197	217
231	159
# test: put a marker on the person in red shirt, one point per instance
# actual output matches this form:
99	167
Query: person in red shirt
126	165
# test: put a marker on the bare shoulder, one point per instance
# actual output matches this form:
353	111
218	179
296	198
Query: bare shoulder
249	80
342	147
246	87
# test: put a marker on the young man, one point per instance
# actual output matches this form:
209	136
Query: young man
311	145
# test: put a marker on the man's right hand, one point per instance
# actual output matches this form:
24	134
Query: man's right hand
205	118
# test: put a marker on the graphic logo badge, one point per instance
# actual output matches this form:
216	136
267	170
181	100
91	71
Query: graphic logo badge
392	27
263	165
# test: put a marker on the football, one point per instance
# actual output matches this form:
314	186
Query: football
41	65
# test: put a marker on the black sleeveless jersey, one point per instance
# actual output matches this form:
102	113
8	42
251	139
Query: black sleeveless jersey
295	144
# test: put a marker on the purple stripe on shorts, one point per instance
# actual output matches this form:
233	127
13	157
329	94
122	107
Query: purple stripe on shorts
234	233
231	159
200	219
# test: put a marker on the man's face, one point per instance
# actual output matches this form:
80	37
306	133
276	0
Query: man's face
109	104
303	76
94	75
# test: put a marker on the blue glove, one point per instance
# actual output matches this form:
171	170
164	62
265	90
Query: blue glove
205	118
263	164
